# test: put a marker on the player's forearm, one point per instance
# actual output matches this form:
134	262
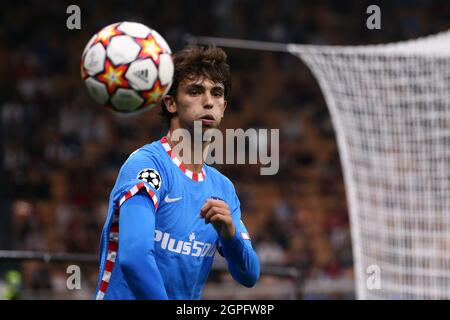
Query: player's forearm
143	277
243	262
136	252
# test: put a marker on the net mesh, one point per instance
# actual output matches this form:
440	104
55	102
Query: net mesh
390	107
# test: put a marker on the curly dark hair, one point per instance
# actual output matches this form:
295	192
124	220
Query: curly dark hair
194	61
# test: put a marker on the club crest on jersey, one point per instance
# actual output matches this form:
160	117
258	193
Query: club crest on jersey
151	176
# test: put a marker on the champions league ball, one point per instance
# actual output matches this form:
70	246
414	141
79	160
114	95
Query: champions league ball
127	67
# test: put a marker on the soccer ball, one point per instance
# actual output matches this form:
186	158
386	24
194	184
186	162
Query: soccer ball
127	67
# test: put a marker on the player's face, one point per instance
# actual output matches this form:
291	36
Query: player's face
200	99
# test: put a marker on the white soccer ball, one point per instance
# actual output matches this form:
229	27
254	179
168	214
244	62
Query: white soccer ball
127	67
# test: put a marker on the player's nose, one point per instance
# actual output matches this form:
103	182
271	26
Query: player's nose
208	101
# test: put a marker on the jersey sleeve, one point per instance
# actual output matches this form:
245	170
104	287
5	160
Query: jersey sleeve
243	262
241	230
141	171
136	248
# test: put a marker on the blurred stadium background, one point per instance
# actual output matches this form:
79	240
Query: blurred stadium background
61	153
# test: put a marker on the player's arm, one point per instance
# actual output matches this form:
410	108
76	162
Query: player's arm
243	262
136	248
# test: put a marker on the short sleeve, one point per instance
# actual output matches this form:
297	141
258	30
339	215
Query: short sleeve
142	170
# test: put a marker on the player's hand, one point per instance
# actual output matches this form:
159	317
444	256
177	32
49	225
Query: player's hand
218	213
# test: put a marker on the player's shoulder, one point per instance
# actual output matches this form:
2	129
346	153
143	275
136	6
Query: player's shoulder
144	165
147	152
148	157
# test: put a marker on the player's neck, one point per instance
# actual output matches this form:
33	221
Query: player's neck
186	151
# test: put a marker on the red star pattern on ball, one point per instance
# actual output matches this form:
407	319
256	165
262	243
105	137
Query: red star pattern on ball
154	95
150	48
105	35
113	77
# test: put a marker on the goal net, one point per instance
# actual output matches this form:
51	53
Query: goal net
390	107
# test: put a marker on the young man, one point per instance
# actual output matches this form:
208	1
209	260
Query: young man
167	215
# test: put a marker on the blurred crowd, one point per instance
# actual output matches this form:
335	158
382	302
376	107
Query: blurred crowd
61	151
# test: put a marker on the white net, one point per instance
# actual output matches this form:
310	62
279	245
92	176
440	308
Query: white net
390	106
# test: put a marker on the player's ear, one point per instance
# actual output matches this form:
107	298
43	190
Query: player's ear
170	104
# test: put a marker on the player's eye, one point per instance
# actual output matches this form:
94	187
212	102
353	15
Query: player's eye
193	92
218	94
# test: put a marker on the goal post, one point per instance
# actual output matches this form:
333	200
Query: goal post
390	107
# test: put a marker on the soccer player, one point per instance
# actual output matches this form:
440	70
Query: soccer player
167	217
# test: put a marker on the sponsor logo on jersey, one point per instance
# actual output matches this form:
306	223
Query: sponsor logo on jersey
190	248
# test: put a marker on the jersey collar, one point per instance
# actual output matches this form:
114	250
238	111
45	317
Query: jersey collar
192	175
